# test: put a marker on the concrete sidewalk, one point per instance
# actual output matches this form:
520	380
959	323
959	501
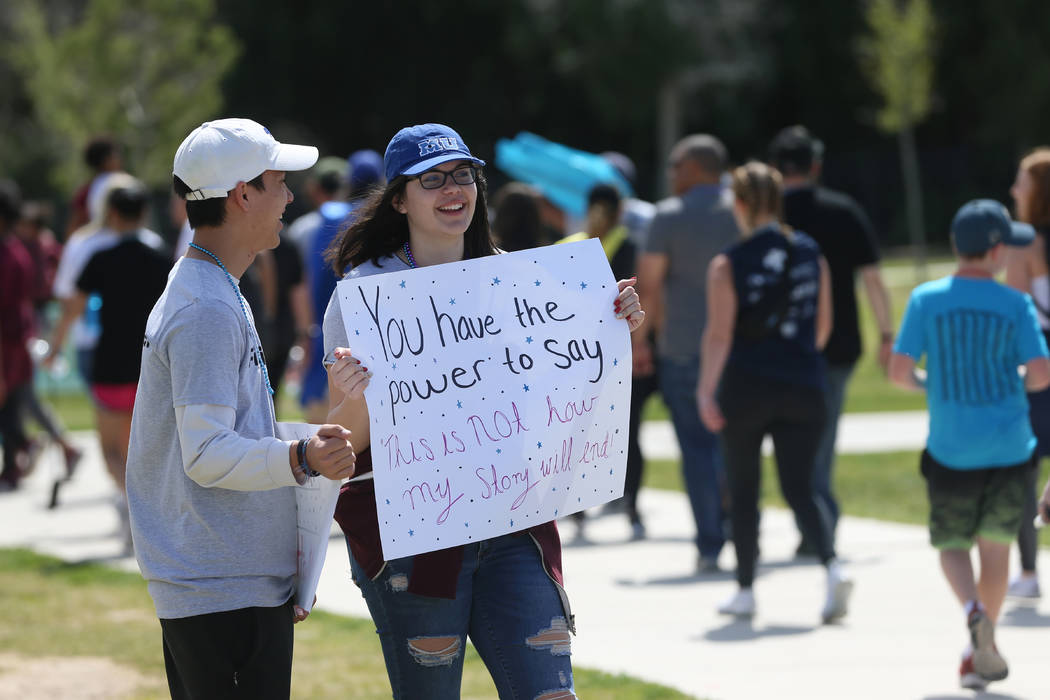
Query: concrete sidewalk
859	433
641	610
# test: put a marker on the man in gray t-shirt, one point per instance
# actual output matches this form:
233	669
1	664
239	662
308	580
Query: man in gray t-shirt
687	231
209	484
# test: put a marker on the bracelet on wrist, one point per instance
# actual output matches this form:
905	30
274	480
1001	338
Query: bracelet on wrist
300	453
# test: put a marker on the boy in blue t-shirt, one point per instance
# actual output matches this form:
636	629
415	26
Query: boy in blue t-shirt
975	334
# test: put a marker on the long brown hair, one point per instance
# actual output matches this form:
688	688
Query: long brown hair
1037	165
761	190
378	230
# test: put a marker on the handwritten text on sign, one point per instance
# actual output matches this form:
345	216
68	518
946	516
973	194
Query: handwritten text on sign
501	392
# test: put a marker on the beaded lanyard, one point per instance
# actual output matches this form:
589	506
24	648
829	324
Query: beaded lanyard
408	254
244	308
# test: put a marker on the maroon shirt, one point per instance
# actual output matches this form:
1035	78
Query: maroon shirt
16	311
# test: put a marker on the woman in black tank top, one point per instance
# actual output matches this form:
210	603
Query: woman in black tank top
769	313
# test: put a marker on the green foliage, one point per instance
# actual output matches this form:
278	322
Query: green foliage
145	72
898	56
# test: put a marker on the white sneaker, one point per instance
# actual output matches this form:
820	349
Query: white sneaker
840	587
740	604
1024	587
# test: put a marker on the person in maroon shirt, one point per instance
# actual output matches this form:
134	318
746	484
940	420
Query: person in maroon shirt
16	327
44	252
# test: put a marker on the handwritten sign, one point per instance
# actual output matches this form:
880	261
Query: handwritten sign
500	395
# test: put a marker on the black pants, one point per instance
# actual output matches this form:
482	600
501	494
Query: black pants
12	431
244	653
641	389
794	416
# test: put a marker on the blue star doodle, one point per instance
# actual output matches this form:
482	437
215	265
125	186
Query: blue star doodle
499	451
537	283
612	407
495	280
452	301
459	404
512	523
539	445
583	285
411	533
528	339
357	332
525	386
388	501
393	366
615	362
402	284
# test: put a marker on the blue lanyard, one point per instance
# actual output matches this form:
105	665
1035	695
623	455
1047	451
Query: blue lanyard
244	310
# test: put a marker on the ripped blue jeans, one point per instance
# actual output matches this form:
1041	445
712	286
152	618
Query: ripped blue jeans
505	603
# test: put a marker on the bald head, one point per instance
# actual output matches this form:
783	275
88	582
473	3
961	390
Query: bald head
699	159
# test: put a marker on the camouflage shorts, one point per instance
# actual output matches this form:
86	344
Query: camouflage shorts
970	503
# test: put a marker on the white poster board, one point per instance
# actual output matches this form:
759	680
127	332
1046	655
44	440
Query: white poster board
315	506
500	395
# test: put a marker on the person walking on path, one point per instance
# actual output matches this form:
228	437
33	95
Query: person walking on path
210	487
603	215
848	242
505	592
129	278
975	333
769	313
1028	270
16	328
688	230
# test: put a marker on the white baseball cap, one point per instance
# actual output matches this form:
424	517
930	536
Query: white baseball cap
219	154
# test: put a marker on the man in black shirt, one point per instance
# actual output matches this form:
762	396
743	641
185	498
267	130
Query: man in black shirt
848	241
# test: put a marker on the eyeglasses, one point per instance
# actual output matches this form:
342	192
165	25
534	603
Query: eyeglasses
433	179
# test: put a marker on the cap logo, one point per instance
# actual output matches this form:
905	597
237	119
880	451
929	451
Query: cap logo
437	143
267	131
995	236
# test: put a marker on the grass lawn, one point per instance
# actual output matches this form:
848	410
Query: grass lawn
85	610
885	486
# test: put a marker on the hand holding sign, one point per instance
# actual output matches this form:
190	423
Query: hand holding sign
627	304
349	375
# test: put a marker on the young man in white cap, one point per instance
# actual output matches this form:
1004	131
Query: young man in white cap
209	485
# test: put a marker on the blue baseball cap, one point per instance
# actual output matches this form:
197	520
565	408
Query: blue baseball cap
982	224
416	149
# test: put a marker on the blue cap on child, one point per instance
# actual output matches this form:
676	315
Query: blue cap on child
981	224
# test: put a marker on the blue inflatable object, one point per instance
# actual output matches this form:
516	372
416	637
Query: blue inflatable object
563	175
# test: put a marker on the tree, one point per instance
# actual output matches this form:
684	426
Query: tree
898	57
143	71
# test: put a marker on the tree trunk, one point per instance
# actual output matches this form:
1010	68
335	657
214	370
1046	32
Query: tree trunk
913	199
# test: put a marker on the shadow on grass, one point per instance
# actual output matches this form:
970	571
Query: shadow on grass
744	630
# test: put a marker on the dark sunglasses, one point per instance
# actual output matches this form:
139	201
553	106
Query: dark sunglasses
433	179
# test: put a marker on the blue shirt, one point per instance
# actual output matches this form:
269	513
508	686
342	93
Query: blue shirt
335	216
975	333
788	353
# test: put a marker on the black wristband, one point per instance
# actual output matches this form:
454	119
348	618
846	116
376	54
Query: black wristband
300	453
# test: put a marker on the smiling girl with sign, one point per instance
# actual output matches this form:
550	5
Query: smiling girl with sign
504	592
